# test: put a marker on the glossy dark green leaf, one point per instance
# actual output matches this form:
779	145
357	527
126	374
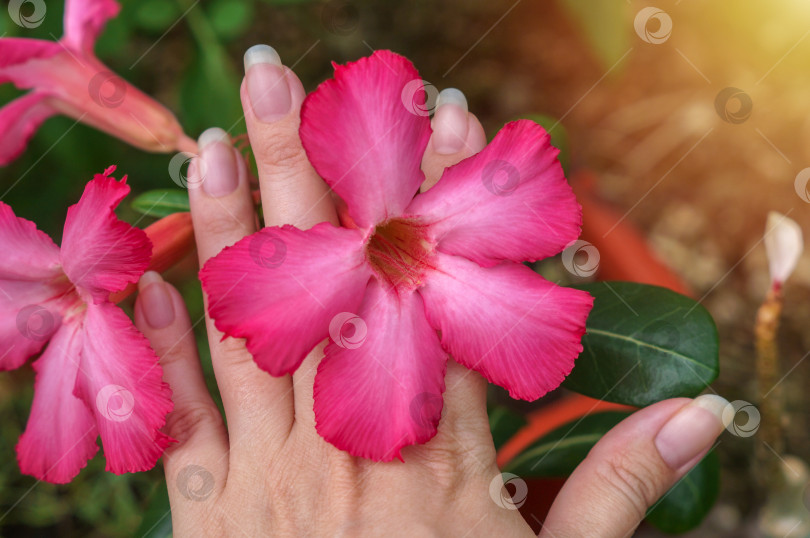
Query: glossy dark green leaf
161	202
557	453
644	344
504	423
685	505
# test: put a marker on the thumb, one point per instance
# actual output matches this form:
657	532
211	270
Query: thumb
633	465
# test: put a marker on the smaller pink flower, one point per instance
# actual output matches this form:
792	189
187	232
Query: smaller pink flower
66	78
417	277
98	375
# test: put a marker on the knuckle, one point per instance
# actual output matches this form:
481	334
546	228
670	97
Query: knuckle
634	477
183	422
281	158
216	222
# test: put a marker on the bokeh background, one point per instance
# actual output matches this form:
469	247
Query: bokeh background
694	168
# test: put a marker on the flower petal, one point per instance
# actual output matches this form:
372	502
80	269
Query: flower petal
374	396
28	253
19	120
121	381
508	323
280	288
17	52
365	133
84	21
28	318
100	253
508	202
61	433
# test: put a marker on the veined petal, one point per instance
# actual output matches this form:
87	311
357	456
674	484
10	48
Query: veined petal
84	21
29	316
365	132
375	395
19	120
280	288
121	381
16	52
100	253
508	202
508	323
28	253
61	433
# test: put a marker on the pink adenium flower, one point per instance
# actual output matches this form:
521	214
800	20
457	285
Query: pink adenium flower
66	78
98	375
416	277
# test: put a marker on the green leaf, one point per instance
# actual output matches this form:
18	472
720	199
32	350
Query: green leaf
685	505
644	344
156	15
161	202
557	453
504	423
230	18
157	519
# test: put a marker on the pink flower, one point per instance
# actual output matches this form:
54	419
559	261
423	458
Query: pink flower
97	375
66	78
418	277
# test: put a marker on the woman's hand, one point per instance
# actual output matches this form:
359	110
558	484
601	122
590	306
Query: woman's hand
270	473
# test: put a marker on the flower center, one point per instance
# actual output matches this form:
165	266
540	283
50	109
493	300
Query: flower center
400	252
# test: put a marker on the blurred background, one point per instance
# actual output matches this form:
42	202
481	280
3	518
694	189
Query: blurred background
691	121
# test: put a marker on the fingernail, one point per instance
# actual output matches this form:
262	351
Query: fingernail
450	122
218	161
691	431
266	84
155	301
